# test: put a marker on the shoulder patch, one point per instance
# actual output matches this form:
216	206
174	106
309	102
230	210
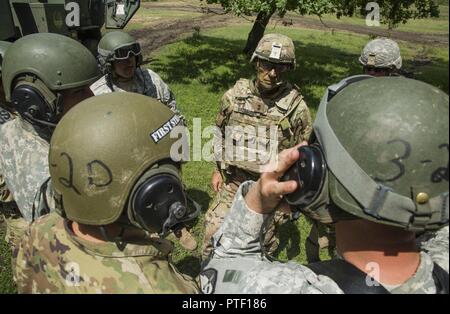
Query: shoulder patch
99	84
208	280
5	116
242	88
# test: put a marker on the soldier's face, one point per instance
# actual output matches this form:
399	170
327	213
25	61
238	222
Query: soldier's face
72	97
125	69
270	75
377	72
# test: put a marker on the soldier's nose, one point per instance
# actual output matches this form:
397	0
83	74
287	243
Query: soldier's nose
273	73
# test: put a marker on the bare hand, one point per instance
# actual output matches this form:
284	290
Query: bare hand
217	181
268	192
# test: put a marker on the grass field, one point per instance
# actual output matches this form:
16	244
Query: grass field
201	67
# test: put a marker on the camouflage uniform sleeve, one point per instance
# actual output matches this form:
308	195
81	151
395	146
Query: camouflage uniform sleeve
24	164
164	94
237	264
5	194
301	122
221	123
21	270
436	245
34	271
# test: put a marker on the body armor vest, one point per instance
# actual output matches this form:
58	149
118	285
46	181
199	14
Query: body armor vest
259	128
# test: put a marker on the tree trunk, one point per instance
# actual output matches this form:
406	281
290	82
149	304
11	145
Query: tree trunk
257	32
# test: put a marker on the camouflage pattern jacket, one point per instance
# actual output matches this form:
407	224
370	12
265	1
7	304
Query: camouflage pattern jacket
238	267
145	82
23	164
5	193
51	259
242	107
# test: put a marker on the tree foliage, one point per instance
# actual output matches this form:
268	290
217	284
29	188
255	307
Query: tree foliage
393	12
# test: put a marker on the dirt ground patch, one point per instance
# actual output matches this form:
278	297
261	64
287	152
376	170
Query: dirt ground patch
161	33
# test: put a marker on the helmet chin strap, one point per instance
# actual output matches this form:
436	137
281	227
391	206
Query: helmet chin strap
266	91
118	239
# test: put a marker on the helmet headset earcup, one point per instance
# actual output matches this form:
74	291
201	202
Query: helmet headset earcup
309	172
36	103
157	201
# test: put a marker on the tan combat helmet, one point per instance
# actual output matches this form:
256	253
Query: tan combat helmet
275	48
382	53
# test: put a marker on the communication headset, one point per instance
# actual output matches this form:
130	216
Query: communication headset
36	103
158	202
310	170
309	173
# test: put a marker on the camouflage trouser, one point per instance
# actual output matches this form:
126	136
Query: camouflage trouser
219	209
320	237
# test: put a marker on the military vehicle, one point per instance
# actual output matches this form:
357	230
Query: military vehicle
79	19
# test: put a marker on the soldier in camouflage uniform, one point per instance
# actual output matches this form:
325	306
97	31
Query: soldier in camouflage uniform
109	200
376	200
268	101
120	59
44	75
6	199
5	115
381	57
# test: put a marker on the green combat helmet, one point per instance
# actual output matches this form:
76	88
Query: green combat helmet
102	176
275	48
381	53
388	162
36	70
384	144
116	46
4	45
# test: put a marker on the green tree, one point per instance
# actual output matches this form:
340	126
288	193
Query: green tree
392	12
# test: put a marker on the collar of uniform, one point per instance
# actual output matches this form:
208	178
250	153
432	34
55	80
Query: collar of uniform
151	247
256	92
421	282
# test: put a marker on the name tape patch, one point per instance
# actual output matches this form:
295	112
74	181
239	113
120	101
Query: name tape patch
276	51
165	129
